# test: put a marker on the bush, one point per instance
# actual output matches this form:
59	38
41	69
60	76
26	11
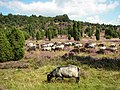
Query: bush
26	35
17	41
108	37
69	37
5	48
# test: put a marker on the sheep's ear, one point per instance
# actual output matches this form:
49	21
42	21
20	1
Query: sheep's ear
48	74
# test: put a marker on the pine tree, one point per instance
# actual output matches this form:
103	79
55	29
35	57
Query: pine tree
26	35
17	41
42	34
90	31
5	48
46	33
55	31
97	34
79	31
49	35
38	35
69	37
76	33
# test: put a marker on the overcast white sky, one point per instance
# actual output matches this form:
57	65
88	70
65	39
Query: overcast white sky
95	11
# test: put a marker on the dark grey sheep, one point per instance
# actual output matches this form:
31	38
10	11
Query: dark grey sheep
65	72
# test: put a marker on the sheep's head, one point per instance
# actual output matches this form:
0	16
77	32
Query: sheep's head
49	77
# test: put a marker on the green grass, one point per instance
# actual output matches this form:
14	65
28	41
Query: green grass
35	79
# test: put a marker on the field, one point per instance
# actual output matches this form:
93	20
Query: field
34	77
30	72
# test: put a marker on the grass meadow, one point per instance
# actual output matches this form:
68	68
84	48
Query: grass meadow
34	77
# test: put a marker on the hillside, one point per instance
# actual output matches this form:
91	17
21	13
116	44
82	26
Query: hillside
59	25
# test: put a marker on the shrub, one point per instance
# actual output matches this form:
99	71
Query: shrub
69	37
108	37
5	48
17	41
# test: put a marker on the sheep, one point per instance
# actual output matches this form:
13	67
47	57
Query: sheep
112	47
43	45
68	43
31	46
65	72
102	48
46	49
59	47
78	45
92	45
50	44
37	46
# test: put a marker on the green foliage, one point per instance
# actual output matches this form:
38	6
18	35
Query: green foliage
69	37
55	33
89	31
49	34
63	18
38	35
111	32
97	34
76	31
5	48
17	41
60	24
42	33
119	34
108	37
26	35
70	31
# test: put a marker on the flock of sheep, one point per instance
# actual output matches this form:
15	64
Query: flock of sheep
61	46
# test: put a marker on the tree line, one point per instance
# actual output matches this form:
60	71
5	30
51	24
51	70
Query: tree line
40	27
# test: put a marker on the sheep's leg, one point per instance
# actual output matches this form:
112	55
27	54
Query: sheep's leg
77	79
62	78
55	78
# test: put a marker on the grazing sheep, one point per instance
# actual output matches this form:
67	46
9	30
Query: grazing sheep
113	45
102	48
78	45
112	48
65	72
37	46
46	49
60	47
50	44
44	45
53	47
68	43
31	46
92	45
